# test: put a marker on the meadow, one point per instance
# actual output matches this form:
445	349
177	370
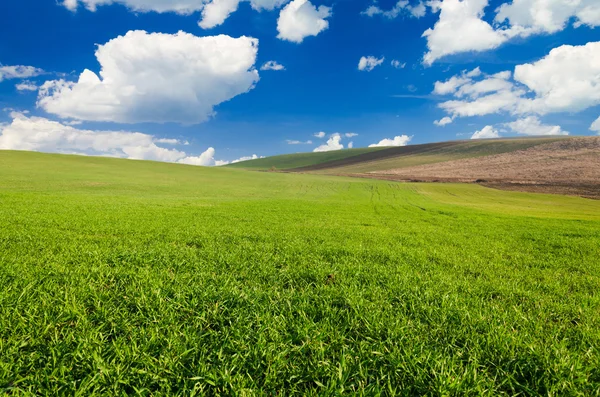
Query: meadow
122	277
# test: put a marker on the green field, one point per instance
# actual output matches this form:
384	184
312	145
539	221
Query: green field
122	277
296	160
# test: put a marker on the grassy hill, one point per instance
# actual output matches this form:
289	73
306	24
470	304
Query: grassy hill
376	159
296	160
130	277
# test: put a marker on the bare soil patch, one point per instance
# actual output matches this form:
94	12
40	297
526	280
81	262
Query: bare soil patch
570	166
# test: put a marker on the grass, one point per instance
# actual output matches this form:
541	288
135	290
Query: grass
296	160
127	277
461	150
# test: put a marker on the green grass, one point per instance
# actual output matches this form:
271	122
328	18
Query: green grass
296	160
127	277
462	150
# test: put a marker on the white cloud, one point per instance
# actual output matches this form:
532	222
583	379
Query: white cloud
26	86
461	29
444	121
300	19
402	6
320	135
44	135
486	132
206	159
183	7
246	158
350	134
369	63
397	64
566	80
596	126
350	145
333	143
214	12
168	141
548	16
272	65
18	72
155	77
401	140
292	142
533	126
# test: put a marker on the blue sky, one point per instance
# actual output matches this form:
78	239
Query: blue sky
161	87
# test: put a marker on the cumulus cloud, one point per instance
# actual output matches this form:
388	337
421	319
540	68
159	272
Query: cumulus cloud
350	145
397	64
548	16
486	132
44	135
300	19
19	72
155	77
214	12
293	142
461	28
401	140
417	10
369	63
566	80
596	126
333	143
533	126
444	121
272	65
320	135
26	86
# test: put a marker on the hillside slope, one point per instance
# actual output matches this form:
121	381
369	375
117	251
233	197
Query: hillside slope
411	155
568	166
299	160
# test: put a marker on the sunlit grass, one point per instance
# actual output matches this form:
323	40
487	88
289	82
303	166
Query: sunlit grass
124	277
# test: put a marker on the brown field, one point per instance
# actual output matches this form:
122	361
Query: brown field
569	166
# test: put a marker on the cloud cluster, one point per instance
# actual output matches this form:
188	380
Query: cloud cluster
213	12
533	126
461	27
300	19
369	63
272	65
486	132
397	64
19	72
26	86
156	77
417	10
400	140
333	143
566	80
44	135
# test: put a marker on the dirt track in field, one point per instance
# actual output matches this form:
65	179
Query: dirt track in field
570	166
